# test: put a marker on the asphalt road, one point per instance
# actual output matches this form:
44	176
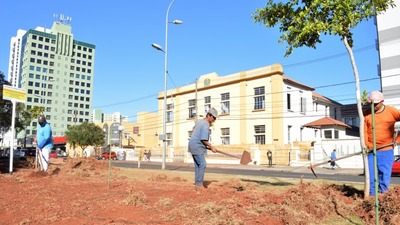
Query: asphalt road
343	175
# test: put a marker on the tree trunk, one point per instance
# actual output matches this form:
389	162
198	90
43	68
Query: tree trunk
361	116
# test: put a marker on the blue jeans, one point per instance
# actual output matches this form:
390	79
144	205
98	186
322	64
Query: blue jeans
199	169
384	163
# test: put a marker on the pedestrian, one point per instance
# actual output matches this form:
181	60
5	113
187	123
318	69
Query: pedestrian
87	152
148	155
198	145
145	155
269	155
384	119
333	158
44	142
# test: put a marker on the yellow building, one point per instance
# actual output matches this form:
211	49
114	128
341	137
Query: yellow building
259	109
141	134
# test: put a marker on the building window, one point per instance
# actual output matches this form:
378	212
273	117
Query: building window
328	134
192	108
259	98
288	131
225	140
335	113
170	112
336	132
259	136
289	106
225	103
350	121
169	139
207	104
303	105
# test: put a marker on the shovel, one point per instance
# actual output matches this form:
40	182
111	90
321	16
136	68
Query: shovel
244	159
312	166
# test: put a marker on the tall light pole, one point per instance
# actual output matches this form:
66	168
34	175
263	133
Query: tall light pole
158	47
120	129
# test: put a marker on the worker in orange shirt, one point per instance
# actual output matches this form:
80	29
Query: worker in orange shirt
385	118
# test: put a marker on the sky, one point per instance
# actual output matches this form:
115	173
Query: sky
216	36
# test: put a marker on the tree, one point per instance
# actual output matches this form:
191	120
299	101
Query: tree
25	116
6	107
303	22
85	134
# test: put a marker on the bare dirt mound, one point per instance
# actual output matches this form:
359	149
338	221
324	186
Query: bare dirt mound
79	191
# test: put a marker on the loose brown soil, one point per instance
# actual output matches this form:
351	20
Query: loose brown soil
77	191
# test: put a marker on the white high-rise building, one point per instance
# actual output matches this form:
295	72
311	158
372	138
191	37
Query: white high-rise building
15	58
388	25
115	117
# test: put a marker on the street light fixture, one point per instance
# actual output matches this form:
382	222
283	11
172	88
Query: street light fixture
158	47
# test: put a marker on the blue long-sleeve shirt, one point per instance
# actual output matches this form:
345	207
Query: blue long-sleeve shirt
44	136
333	155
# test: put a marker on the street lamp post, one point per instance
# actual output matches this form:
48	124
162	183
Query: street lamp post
158	47
120	129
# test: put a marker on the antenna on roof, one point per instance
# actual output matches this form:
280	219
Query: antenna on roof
55	16
62	19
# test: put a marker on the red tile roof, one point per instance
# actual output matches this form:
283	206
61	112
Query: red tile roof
290	80
323	98
326	121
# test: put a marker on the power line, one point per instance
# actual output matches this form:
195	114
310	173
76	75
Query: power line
327	57
284	66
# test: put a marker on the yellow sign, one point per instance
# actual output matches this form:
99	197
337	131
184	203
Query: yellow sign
13	93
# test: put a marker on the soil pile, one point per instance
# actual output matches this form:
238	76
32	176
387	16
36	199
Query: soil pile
80	191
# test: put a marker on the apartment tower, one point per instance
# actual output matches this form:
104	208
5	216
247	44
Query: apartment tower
56	72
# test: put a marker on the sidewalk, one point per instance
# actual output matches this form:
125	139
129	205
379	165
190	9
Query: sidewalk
284	168
298	169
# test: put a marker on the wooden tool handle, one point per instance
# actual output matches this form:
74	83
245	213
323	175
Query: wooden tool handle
229	154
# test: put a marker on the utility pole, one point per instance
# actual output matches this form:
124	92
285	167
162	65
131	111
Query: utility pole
197	113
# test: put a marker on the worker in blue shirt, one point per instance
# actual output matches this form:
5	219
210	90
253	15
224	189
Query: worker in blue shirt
44	142
333	158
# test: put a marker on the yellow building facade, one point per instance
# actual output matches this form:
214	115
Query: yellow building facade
251	112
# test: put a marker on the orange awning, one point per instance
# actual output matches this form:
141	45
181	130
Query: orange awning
59	140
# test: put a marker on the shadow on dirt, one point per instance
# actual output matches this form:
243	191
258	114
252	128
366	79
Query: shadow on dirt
278	183
18	163
348	191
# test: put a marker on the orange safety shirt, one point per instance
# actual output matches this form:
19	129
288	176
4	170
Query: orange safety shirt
384	128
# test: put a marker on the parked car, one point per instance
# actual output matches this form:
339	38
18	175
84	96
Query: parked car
396	165
105	155
60	152
53	154
30	152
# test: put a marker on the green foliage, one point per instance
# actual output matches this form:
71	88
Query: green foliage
364	97
26	116
35	111
303	22
23	117
85	134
